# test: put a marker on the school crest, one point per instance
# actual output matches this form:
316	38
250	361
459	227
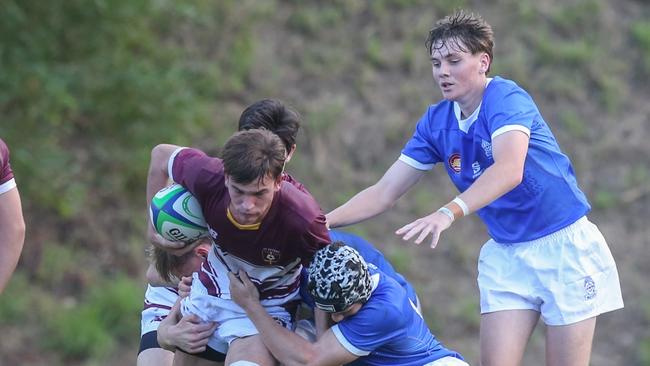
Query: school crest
590	288
454	162
270	255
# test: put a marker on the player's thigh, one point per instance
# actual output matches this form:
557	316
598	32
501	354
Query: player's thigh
186	359
504	335
570	345
250	349
155	357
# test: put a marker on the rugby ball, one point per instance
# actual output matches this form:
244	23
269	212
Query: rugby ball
177	215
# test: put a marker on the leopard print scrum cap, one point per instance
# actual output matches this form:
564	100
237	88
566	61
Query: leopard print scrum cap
338	278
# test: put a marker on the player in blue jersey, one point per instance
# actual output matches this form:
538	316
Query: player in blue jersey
370	255
376	322
308	328
544	257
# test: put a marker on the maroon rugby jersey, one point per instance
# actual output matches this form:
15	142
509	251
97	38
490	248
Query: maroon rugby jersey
7	181
272	254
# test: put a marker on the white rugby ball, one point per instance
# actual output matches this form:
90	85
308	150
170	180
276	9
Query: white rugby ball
177	215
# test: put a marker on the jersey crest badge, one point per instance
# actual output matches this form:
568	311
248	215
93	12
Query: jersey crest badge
590	288
270	256
454	162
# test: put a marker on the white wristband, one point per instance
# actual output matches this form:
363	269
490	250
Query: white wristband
447	212
462	205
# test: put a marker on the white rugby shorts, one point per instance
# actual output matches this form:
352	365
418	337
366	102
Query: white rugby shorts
158	302
568	276
232	319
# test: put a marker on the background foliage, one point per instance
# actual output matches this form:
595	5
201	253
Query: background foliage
87	88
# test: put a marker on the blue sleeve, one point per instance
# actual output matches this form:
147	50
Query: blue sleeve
508	105
364	332
421	147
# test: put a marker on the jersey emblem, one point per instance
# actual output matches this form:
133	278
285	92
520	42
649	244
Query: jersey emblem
270	255
487	148
454	162
590	288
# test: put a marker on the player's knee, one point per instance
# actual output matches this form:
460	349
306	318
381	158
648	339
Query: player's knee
244	363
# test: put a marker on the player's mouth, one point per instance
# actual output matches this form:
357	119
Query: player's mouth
445	85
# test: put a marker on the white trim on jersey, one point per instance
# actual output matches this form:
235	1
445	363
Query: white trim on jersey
7	186
347	345
465	124
170	162
414	163
509	128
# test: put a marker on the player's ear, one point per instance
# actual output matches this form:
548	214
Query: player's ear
485	63
201	251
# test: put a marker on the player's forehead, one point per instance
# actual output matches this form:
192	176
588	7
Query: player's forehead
448	47
256	186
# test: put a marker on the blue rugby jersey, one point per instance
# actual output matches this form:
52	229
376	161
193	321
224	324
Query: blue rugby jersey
388	331
547	199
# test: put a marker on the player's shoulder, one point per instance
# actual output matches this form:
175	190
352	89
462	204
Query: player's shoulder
297	201
387	297
187	153
437	117
499	87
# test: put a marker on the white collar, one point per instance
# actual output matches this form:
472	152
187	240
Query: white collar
465	124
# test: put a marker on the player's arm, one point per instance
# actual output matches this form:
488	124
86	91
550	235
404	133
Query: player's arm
372	201
285	345
187	332
157	179
509	151
12	234
322	322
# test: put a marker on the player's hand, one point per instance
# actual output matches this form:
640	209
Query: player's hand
177	248
433	224
189	333
242	289
184	286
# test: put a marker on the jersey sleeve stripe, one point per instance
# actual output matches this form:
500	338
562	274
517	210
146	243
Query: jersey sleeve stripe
170	163
509	128
347	345
8	185
414	163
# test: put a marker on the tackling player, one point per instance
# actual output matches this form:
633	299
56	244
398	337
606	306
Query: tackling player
376	322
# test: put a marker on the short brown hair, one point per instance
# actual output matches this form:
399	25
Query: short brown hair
252	155
462	29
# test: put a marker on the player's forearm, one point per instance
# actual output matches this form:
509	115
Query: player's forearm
286	346
11	246
364	205
158	175
372	201
12	234
495	181
322	322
